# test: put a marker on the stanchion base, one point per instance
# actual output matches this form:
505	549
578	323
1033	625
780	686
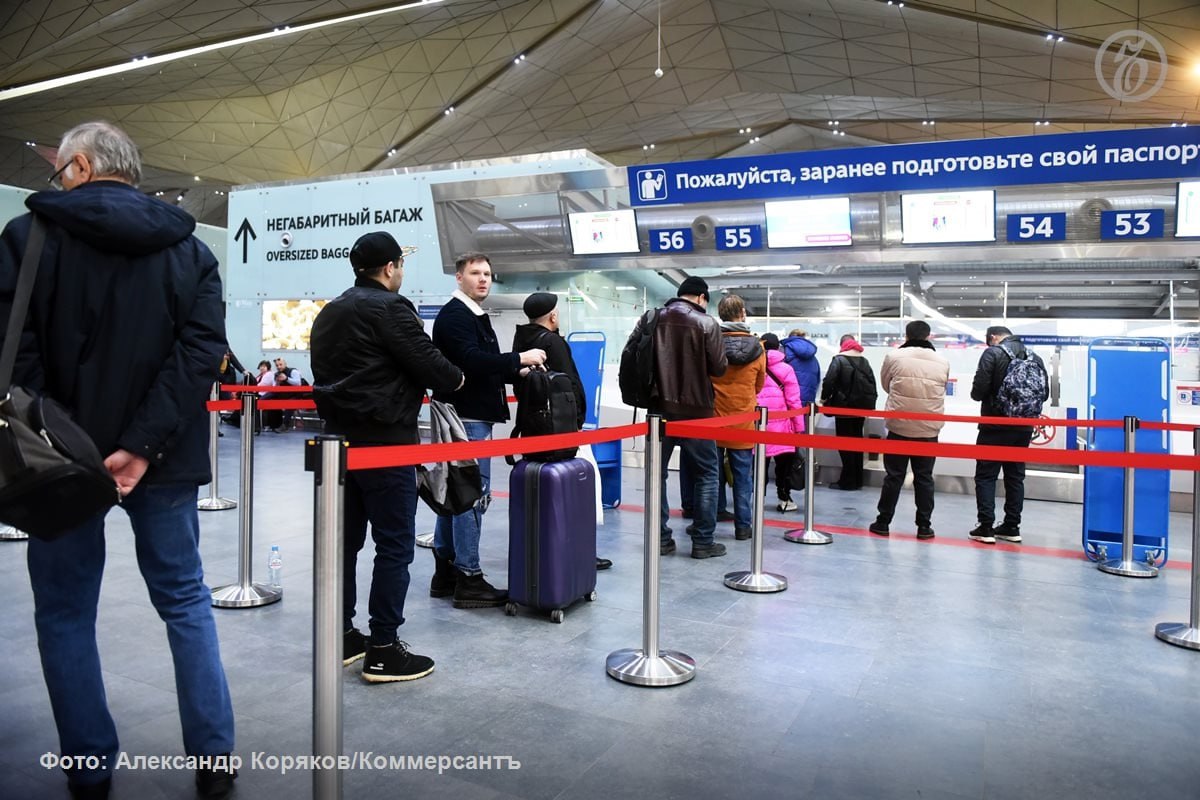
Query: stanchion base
424	540
216	504
670	668
1179	634
9	533
810	536
1128	569
237	596
761	582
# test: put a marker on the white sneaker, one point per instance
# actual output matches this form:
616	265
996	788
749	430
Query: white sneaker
785	506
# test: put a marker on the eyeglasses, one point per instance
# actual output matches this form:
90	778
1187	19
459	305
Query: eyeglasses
54	180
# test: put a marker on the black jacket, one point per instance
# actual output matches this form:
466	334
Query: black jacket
558	358
470	343
371	362
993	366
849	383
126	327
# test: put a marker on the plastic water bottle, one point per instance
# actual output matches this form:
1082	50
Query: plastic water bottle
275	567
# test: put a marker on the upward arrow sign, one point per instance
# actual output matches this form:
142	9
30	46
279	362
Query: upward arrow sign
245	233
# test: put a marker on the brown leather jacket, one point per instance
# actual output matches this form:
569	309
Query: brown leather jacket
688	351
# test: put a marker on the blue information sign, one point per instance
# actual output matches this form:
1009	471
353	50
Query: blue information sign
1142	223
1037	227
739	237
671	240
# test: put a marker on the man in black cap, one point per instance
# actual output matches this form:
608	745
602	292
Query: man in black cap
688	353
542	331
372	362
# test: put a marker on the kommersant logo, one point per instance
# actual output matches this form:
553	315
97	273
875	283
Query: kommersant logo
1131	66
652	184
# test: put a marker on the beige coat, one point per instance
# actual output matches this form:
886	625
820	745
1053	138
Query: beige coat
915	381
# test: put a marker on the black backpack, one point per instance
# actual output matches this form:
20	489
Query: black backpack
546	403
636	374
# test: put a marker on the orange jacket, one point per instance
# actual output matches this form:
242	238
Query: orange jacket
737	390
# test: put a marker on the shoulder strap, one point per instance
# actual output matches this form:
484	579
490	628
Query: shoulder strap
20	305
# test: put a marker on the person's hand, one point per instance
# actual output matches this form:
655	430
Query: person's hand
533	358
127	470
524	371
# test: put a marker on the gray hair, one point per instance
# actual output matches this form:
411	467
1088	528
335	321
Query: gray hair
112	153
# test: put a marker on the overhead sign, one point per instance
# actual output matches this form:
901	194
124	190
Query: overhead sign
1020	160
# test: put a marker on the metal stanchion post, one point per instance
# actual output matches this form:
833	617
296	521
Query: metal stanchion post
9	533
756	580
651	666
809	534
214	501
1178	633
1125	565
245	593
425	539
325	457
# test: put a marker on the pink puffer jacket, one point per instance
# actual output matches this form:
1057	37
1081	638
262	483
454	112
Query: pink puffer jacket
781	398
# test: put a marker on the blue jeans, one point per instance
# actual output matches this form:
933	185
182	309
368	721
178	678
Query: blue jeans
387	498
457	538
741	465
702	455
65	576
687	481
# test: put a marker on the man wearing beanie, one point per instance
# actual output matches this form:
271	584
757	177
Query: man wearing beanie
542	331
849	383
688	353
372	363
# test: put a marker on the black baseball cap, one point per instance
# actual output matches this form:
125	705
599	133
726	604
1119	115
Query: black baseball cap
373	250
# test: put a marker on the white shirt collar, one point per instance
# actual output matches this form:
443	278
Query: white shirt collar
469	303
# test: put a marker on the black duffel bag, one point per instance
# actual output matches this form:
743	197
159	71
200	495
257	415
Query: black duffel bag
52	477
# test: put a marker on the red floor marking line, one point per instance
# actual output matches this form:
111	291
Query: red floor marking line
1028	549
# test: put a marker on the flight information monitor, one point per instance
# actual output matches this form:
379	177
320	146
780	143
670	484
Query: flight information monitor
820	222
600	232
944	217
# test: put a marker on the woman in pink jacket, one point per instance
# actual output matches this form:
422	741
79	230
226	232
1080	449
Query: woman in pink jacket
781	392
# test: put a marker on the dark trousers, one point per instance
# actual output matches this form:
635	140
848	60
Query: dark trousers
852	461
986	473
783	473
895	467
387	499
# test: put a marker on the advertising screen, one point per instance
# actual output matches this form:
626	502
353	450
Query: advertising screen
942	217
821	222
600	232
1187	209
286	323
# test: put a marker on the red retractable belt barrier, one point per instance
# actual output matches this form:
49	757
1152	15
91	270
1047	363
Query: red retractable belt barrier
1024	422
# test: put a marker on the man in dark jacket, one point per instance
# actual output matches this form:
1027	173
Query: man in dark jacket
464	333
126	330
993	366
372	362
849	383
688	353
542	331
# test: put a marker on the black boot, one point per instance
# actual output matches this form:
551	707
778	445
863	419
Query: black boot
472	591
445	577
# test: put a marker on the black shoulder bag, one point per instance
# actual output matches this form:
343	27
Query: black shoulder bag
52	477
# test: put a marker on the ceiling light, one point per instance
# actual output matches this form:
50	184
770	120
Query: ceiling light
143	61
179	199
449	110
196	177
519	59
392	152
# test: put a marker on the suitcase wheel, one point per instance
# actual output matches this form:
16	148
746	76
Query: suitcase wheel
590	596
510	609
556	615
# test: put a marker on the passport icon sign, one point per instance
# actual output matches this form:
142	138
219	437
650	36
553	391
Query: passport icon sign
652	184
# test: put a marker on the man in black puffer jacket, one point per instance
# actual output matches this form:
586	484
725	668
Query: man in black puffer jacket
126	330
372	362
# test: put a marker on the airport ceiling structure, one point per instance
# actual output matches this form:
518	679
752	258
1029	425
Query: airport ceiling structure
227	92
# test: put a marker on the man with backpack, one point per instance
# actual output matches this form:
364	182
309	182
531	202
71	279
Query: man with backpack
849	383
1009	382
542	332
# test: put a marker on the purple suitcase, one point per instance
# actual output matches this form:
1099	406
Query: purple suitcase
551	535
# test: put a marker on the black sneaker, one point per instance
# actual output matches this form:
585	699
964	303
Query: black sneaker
924	532
714	550
354	646
393	662
724	516
879	528
666	548
982	533
602	563
473	591
1007	533
742	534
215	783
